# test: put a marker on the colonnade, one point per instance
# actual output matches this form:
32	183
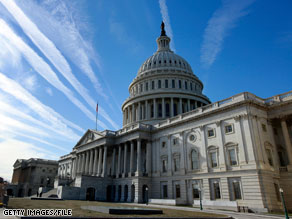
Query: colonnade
158	108
93	162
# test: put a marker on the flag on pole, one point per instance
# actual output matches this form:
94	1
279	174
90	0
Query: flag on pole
96	115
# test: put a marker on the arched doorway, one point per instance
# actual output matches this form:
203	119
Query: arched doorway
126	193
132	193
119	192
90	194
29	192
145	193
109	193
9	192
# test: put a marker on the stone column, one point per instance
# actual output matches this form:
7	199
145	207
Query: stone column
83	163
95	162
104	169
87	162
180	106
142	111
163	108
125	159
204	149
154	108
113	162
72	168
222	160
138	157
133	112
119	162
242	152
189	105
66	166
287	142
171	107
99	161
77	165
139	111
90	162
147	109
148	158
131	158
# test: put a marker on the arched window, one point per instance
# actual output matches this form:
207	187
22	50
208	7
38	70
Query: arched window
194	160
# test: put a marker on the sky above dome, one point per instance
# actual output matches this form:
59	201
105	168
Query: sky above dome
58	58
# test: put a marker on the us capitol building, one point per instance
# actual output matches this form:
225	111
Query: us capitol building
176	145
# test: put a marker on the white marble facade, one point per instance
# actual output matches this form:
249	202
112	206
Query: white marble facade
175	142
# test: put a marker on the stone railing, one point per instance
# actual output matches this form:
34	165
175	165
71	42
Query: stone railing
229	101
134	126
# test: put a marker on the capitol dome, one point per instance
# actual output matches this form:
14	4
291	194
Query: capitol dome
165	86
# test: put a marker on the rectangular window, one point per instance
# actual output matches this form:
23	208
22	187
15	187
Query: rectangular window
211	133
173	83
159	83
146	87
216	187
163	144
270	157
166	83
232	156
153	85
179	84
196	192
213	157
177	191
164	164
176	164
228	129
236	190
174	141
186	85
141	87
164	191
191	84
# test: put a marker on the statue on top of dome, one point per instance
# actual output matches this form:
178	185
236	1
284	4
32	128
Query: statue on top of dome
162	29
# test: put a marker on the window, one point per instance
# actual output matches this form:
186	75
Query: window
196	192
195	160
164	166
166	83
163	144
141	87
264	127
192	137
179	84
153	85
174	141
213	159
146	86
152	110
275	131
174	109
164	189
186	85
159	83
270	157
228	129
176	164
173	83
236	190
191	85
216	188
211	133
177	191
277	191
232	156
281	159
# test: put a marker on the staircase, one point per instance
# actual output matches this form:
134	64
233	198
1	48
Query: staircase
48	193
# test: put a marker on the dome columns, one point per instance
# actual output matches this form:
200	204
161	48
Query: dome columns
158	108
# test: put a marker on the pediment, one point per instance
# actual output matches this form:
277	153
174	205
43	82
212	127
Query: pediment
89	136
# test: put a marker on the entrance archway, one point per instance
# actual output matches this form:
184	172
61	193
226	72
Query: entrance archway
132	193
145	193
90	194
109	193
119	193
126	193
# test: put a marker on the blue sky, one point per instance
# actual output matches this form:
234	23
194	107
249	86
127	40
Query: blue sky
57	58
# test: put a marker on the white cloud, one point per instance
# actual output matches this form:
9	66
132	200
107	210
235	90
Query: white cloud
58	60
219	25
9	55
49	91
30	82
55	120
12	149
166	20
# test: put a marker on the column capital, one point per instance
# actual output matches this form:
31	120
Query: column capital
237	118
218	123
202	127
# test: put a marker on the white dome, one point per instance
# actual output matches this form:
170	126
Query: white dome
163	59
